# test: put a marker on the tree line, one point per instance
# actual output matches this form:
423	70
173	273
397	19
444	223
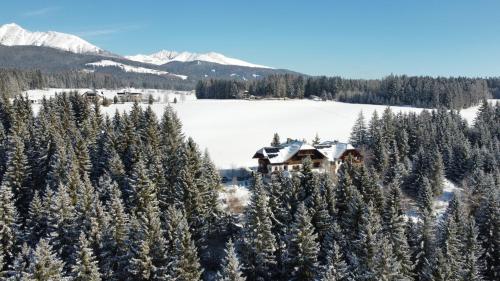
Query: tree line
13	82
419	91
90	197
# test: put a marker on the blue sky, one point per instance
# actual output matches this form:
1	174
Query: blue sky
354	39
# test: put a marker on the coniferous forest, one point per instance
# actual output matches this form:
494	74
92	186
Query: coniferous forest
128	197
419	91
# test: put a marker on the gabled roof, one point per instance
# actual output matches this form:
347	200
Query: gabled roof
283	152
333	150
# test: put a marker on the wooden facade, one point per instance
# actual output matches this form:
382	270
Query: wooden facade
290	156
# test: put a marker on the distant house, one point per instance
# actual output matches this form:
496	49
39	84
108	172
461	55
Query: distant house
129	96
93	96
289	156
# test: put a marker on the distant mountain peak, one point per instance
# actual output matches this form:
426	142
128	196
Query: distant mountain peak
165	56
12	34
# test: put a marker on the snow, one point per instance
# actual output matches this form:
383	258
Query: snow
162	96
233	130
13	35
470	113
442	201
164	56
234	198
129	68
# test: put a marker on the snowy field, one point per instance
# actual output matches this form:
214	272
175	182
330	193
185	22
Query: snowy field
232	130
163	96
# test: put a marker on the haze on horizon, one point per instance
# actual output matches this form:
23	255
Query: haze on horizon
365	39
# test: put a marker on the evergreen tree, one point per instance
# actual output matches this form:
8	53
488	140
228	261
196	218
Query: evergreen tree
394	227
8	223
258	240
276	140
185	264
359	136
45	265
86	268
115	247
336	268
231	268
304	248
471	267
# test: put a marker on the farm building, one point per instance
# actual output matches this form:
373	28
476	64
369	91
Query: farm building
289	156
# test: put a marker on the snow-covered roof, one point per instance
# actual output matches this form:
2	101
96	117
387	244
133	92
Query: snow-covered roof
333	150
283	152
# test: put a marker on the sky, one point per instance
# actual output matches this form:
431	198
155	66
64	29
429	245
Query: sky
352	39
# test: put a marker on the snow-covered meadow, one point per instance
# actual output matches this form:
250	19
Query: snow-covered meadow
232	130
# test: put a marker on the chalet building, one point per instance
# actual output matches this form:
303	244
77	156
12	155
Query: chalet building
129	96
93	96
289	156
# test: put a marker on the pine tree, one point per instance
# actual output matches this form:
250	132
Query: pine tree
336	268
185	264
388	267
8	223
17	175
471	267
62	224
86	268
367	243
316	140
424	253
258	240
394	227
45	265
488	218
115	246
304	247
425	198
359	136
276	140
231	268
19	269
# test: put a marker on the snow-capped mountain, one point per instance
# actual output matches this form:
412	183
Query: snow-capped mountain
13	35
164	56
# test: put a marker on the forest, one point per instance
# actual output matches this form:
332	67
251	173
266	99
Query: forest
14	82
419	91
128	197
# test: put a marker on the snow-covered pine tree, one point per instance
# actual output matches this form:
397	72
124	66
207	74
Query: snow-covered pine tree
45	265
359	135
396	170
115	246
424	253
276	140
62	224
388	267
86	268
8	223
18	271
231	268
259	243
304	247
488	221
471	267
185	263
367	244
394	228
425	198
336	268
